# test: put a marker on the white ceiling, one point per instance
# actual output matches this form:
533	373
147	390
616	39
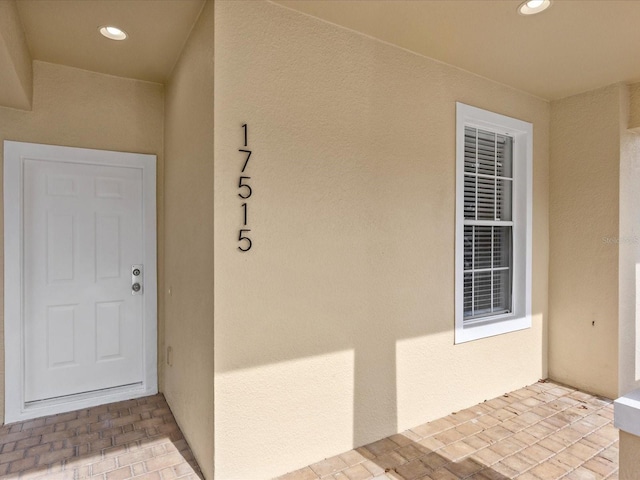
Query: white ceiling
575	46
66	32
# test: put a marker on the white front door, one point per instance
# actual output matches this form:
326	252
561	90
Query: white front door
85	336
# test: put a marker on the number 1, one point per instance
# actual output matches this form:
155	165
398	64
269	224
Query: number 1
244	206
245	134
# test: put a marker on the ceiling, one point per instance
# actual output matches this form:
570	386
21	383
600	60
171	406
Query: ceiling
574	46
66	32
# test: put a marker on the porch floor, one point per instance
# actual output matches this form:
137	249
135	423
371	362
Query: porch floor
132	439
544	431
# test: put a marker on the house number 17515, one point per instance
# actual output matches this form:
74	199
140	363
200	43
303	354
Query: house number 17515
244	192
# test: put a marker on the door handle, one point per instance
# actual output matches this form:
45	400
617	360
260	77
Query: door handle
136	280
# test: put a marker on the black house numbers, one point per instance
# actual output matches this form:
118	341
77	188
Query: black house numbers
244	193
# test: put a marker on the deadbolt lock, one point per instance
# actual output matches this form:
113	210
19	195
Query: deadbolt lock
136	280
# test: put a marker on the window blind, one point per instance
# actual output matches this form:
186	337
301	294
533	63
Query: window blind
488	226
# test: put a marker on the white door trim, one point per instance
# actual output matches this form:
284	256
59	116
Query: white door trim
15	153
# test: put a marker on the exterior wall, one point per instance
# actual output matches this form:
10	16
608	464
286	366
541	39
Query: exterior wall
82	109
336	328
629	456
629	247
634	107
16	74
188	384
584	240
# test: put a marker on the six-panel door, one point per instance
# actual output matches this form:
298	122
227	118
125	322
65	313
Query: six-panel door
83	329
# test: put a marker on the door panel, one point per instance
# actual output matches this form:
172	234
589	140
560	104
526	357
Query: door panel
83	330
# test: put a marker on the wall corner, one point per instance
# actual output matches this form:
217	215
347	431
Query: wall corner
634	107
16	76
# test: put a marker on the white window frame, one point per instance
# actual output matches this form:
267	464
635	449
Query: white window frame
522	215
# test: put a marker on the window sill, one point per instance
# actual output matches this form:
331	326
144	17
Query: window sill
477	331
626	413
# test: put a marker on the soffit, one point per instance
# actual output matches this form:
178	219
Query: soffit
572	47
66	32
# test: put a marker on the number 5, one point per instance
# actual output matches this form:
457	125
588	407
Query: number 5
240	185
241	237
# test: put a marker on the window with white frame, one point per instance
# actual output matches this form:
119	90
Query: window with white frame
493	223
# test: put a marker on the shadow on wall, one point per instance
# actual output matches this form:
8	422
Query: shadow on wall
375	396
288	324
311	307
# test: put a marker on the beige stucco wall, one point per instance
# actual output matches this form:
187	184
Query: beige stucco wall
634	107
16	74
336	328
629	456
629	246
82	109
188	384
584	240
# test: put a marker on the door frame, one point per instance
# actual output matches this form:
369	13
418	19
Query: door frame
15	153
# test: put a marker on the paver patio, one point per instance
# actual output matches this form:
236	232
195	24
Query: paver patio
132	439
541	432
544	431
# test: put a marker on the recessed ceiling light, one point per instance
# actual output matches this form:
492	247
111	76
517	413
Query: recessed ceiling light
113	33
531	7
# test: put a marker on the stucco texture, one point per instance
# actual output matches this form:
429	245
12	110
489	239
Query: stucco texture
584	240
76	108
634	107
16	74
629	456
336	328
629	246
188	384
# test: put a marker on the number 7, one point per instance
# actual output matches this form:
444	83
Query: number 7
246	162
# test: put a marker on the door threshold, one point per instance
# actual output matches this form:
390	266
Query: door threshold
82	395
69	403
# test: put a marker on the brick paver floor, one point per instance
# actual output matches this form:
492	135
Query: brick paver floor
545	431
133	439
